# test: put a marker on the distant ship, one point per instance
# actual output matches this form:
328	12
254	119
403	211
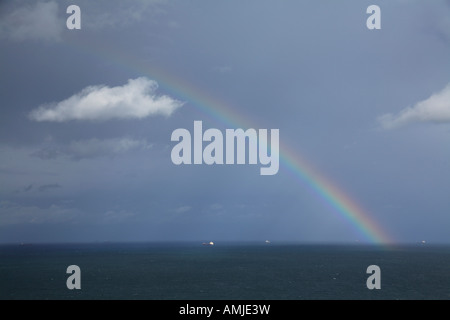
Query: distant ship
208	243
267	241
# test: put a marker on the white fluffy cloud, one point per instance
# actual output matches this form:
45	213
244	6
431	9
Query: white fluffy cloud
40	21
134	100
434	109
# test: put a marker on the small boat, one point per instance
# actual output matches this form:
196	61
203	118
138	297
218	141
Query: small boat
208	243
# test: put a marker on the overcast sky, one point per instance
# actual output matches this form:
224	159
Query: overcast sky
87	117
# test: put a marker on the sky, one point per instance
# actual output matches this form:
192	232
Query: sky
87	117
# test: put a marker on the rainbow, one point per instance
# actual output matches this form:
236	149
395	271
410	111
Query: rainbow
330	193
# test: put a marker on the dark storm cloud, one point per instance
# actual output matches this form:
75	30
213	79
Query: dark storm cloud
90	158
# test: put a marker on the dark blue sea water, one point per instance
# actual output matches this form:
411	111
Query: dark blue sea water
223	271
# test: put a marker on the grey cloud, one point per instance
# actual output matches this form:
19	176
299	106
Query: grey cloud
115	13
182	209
38	21
24	189
15	213
91	148
222	69
46	20
47	187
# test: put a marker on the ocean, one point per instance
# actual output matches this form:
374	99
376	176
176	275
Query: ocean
224	271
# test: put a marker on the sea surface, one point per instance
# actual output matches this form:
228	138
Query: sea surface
225	271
